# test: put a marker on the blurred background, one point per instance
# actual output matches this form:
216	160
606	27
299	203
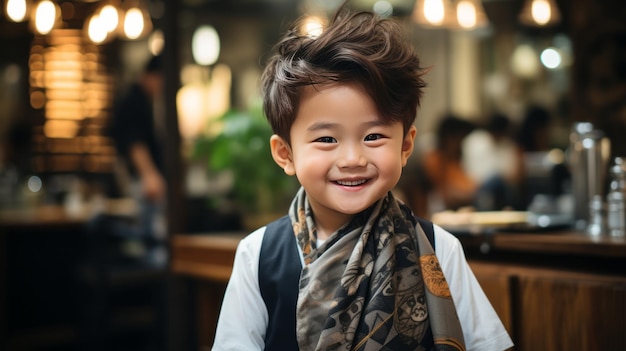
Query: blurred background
88	243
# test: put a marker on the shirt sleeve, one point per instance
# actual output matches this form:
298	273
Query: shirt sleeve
482	328
243	317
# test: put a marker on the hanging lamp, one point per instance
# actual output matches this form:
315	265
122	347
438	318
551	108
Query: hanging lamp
470	14
434	13
540	13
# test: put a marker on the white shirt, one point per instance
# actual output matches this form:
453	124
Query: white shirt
243	318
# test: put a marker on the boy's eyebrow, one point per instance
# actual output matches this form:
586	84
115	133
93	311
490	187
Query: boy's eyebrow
329	125
320	126
377	122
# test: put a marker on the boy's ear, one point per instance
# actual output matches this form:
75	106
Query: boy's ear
281	152
408	144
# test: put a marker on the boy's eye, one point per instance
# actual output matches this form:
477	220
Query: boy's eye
326	139
372	137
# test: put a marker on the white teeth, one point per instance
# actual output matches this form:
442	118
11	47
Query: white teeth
351	182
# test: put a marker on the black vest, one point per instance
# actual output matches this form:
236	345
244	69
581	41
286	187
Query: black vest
279	280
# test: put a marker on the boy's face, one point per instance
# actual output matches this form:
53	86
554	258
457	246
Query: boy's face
341	152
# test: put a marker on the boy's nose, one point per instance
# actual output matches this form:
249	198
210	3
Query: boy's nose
352	156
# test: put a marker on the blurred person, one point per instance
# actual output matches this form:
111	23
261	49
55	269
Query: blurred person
451	187
122	246
495	161
533	134
542	176
136	133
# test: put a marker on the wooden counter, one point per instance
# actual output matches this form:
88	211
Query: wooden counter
553	290
39	217
211	256
207	257
58	216
560	242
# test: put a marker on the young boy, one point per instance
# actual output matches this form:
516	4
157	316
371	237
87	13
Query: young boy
350	267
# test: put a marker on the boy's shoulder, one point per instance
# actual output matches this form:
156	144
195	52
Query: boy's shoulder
281	221
257	236
277	230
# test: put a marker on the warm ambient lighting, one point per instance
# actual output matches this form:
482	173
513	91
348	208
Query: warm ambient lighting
71	90
524	62
110	17
136	23
130	18
61	129
156	41
470	14
434	11
133	23
540	13
103	24
97	29
202	99
465	15
205	45
312	26
16	10
46	15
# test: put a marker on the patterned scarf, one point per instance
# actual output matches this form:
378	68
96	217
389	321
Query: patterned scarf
375	284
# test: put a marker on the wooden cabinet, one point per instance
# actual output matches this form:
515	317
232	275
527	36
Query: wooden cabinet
496	284
555	301
566	311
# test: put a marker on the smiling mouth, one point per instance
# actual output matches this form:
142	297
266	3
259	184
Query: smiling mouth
351	182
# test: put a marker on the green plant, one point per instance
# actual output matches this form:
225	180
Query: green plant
242	148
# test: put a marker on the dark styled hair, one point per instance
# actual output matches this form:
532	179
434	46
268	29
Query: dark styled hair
355	47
